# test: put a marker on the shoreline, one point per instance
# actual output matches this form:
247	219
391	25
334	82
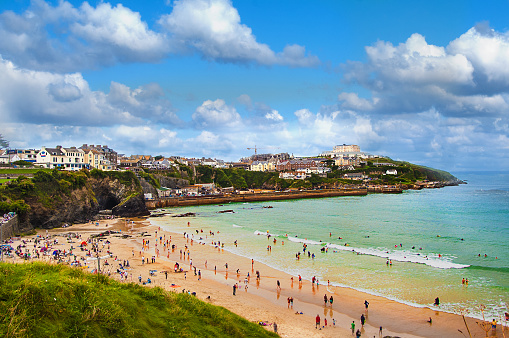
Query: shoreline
262	301
415	326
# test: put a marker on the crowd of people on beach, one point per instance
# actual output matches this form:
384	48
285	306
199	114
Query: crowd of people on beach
7	217
90	251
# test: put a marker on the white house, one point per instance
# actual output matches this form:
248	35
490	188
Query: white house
62	158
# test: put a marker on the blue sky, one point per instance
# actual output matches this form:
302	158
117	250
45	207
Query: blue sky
422	81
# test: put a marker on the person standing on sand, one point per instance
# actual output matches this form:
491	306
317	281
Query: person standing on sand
366	304
363	320
317	321
234	288
325	299
331	299
353	326
358	333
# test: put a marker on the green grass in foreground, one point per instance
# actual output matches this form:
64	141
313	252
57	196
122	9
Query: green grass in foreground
41	300
3	180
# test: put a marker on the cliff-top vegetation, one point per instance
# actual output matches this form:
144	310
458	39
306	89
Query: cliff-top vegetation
41	300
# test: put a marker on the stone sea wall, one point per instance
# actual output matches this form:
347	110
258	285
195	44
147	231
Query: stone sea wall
9	228
251	197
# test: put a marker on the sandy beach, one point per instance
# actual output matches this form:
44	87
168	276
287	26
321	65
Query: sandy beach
258	300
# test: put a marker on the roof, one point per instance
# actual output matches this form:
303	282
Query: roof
54	151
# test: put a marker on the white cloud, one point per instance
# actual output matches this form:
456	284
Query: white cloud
354	102
216	114
67	100
415	62
274	116
210	144
304	116
64	92
214	28
324	129
117	26
295	56
488	52
468	77
64	38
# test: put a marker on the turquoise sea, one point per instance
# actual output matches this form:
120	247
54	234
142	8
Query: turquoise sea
434	238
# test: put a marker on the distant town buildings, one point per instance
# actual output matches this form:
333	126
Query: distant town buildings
346	151
346	157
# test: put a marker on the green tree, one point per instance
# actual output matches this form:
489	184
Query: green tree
237	180
222	180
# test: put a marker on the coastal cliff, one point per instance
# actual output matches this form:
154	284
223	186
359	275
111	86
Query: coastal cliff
51	199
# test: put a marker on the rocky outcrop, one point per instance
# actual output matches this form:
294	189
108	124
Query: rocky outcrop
164	181
124	197
172	182
134	206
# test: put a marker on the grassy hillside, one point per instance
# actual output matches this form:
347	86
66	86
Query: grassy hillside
408	173
40	300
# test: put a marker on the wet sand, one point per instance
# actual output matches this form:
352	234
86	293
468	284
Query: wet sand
261	301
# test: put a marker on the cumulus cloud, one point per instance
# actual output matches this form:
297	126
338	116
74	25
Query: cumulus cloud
338	126
354	102
214	28
449	103
117	26
64	92
488	52
465	78
67	100
216	114
274	115
65	38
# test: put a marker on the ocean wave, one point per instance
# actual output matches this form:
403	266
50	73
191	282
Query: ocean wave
489	268
305	241
266	233
237	226
404	256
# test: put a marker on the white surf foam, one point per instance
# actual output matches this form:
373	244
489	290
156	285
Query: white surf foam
304	240
264	233
404	256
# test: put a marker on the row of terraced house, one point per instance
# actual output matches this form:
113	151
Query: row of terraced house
66	158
